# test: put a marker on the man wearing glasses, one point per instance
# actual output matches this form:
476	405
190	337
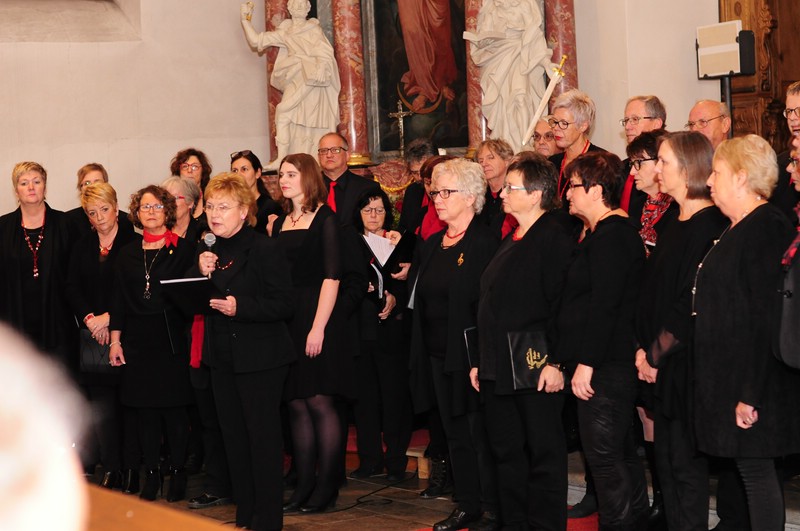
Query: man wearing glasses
785	196
712	119
642	115
344	186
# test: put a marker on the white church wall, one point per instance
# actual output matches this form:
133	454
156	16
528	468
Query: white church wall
191	80
631	47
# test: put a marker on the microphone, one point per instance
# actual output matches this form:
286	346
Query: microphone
209	239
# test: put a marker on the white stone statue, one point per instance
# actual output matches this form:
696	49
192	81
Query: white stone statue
510	48
307	74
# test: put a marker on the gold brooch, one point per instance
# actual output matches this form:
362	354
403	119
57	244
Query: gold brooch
460	259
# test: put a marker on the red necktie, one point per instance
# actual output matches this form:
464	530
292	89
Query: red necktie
332	196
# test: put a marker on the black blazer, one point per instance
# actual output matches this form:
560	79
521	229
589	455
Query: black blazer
59	331
412	213
596	313
519	291
477	248
260	280
349	187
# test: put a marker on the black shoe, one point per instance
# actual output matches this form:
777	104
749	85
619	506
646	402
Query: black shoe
586	507
657	518
130	481
177	484
208	500
364	472
458	519
490	521
396	476
292	507
312	509
439	483
111	479
153	484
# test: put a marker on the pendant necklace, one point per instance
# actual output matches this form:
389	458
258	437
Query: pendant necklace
35	250
147	270
294	221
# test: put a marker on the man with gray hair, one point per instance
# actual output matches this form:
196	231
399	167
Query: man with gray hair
712	119
642	115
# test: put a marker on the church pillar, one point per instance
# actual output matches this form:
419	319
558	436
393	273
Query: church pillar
273	10
349	51
559	23
475	123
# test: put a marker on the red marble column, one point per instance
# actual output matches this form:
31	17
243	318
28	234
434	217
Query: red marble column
274	13
475	124
559	22
348	48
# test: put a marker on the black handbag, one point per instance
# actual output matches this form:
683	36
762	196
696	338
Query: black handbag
529	355
93	356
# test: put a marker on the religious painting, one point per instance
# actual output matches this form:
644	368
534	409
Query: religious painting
421	63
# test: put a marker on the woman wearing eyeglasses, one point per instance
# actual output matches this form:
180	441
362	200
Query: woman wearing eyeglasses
310	235
445	298
193	164
543	138
652	211
518	292
382	364
571	122
248	348
248	165
596	338
187	195
148	337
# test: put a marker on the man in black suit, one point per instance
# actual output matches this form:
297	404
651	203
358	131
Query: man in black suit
344	186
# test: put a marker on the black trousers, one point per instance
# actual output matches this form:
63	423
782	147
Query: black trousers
606	430
248	407
384	401
474	480
527	440
683	473
217	480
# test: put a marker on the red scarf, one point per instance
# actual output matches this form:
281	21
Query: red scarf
169	237
431	224
651	212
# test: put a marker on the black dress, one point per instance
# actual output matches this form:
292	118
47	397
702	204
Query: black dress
314	255
156	371
664	331
90	284
733	360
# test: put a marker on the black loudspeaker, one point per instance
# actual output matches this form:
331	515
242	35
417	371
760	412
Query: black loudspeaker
747	52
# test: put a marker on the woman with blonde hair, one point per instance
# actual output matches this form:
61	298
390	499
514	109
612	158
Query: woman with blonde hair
247	374
744	397
90	285
36	242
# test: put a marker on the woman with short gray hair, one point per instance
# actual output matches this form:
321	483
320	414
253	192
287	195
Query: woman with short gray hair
445	298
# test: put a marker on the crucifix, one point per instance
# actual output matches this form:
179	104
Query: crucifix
400	114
